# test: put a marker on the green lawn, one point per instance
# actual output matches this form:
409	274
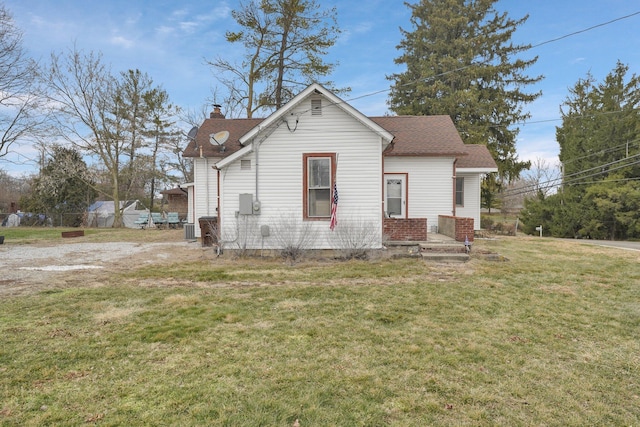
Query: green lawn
550	337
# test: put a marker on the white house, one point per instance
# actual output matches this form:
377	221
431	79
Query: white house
263	181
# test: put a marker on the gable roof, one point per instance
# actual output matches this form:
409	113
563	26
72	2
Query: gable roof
423	136
479	159
315	88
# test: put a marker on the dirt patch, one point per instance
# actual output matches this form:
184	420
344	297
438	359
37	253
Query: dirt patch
51	266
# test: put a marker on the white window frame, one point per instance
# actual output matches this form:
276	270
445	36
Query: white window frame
403	182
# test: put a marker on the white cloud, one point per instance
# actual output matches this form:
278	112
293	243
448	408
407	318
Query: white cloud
179	13
362	27
133	20
189	27
165	30
122	42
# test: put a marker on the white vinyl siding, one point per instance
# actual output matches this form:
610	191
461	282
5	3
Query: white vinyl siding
206	192
430	189
280	170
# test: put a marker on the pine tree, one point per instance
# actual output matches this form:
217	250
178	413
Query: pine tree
460	61
600	153
600	126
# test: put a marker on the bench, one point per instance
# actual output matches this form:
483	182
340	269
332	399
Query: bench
158	220
173	220
142	220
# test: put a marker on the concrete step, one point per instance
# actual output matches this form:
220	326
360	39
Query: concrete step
445	256
447	247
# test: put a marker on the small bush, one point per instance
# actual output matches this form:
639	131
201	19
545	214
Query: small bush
293	237
355	238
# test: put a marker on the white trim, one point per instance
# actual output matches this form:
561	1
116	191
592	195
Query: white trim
235	156
477	170
402	177
274	118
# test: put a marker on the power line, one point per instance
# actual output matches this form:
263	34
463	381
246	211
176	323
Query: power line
488	61
626	145
585	30
576	180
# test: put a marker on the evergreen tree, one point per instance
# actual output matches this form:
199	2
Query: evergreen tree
460	61
600	152
63	190
600	127
161	129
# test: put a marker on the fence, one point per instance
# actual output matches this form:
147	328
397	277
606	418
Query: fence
69	219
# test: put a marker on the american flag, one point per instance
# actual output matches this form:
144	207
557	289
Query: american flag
334	207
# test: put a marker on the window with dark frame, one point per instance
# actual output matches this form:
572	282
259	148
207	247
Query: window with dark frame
319	175
459	191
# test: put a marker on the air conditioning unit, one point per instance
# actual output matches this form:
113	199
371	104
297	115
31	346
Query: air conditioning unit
189	232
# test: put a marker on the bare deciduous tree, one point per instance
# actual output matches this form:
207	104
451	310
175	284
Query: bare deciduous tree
81	93
541	180
19	98
284	41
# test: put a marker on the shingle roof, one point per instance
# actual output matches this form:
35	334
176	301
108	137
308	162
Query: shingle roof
422	136
413	136
478	157
236	128
174	191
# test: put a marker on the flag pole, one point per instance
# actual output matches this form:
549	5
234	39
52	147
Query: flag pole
334	200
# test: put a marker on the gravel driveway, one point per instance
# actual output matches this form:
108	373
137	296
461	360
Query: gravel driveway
29	268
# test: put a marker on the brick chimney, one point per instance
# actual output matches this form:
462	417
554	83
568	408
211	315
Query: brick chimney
216	114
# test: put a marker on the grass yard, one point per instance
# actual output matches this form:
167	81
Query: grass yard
550	337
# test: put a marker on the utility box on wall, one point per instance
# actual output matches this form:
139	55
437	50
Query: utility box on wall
246	204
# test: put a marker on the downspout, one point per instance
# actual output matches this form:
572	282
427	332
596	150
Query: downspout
206	174
257	150
454	186
382	188
218	204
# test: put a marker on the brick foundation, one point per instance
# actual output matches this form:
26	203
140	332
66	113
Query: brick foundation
402	229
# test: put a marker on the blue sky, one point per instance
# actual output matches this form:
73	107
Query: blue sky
170	41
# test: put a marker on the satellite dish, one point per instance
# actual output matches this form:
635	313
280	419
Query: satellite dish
219	138
193	132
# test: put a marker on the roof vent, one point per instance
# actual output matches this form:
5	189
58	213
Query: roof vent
316	107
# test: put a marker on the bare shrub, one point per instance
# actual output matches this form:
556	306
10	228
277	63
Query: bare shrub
355	238
294	237
243	238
